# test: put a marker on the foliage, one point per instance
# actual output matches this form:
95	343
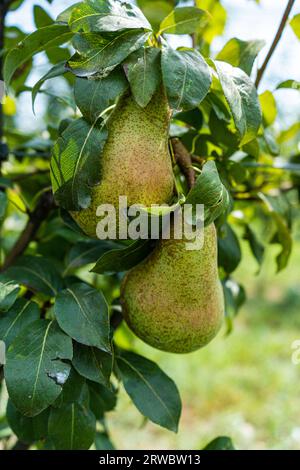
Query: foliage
57	317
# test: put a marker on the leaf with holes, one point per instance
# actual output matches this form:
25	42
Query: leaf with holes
35	370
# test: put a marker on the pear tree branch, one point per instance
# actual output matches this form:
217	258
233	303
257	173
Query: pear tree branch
275	42
184	160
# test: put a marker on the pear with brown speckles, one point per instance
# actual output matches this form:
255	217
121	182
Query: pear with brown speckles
173	300
136	162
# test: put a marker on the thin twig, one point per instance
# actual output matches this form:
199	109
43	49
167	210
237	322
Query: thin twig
275	42
184	159
40	213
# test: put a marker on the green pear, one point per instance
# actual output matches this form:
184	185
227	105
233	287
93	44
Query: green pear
173	300
136	161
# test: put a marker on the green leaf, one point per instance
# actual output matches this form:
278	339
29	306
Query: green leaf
268	107
9	291
103	442
154	394
284	237
28	430
193	118
185	20
210	191
35	371
93	96
41	17
40	40
21	314
93	364
74	390
72	427
64	16
242	99
186	77
156	10
102	399
37	273
229	250
256	247
86	252
107	16
240	53
56	71
220	443
101	55
235	297
3	204
82	312
144	74
295	25
292	84
75	163
122	259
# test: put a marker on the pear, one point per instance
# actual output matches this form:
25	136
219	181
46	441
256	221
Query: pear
135	162
173	300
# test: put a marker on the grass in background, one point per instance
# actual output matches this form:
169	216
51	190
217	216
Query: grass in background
243	385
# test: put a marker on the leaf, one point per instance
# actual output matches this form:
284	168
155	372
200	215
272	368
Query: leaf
93	364
184	20
35	371
268	107
40	40
186	77
36	273
27	429
72	427
156	10
74	390
235	297
122	259
93	96
217	22
292	84
240	53
56	71
3	204
86	252
220	443
107	16
229	250
284	237
193	118
101	55
21	314
9	291
41	17
75	164
210	191
64	16
256	247
295	25
144	74
102	399
103	442
82	312
151	390
242	99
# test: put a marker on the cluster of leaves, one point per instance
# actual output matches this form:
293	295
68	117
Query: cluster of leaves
64	362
